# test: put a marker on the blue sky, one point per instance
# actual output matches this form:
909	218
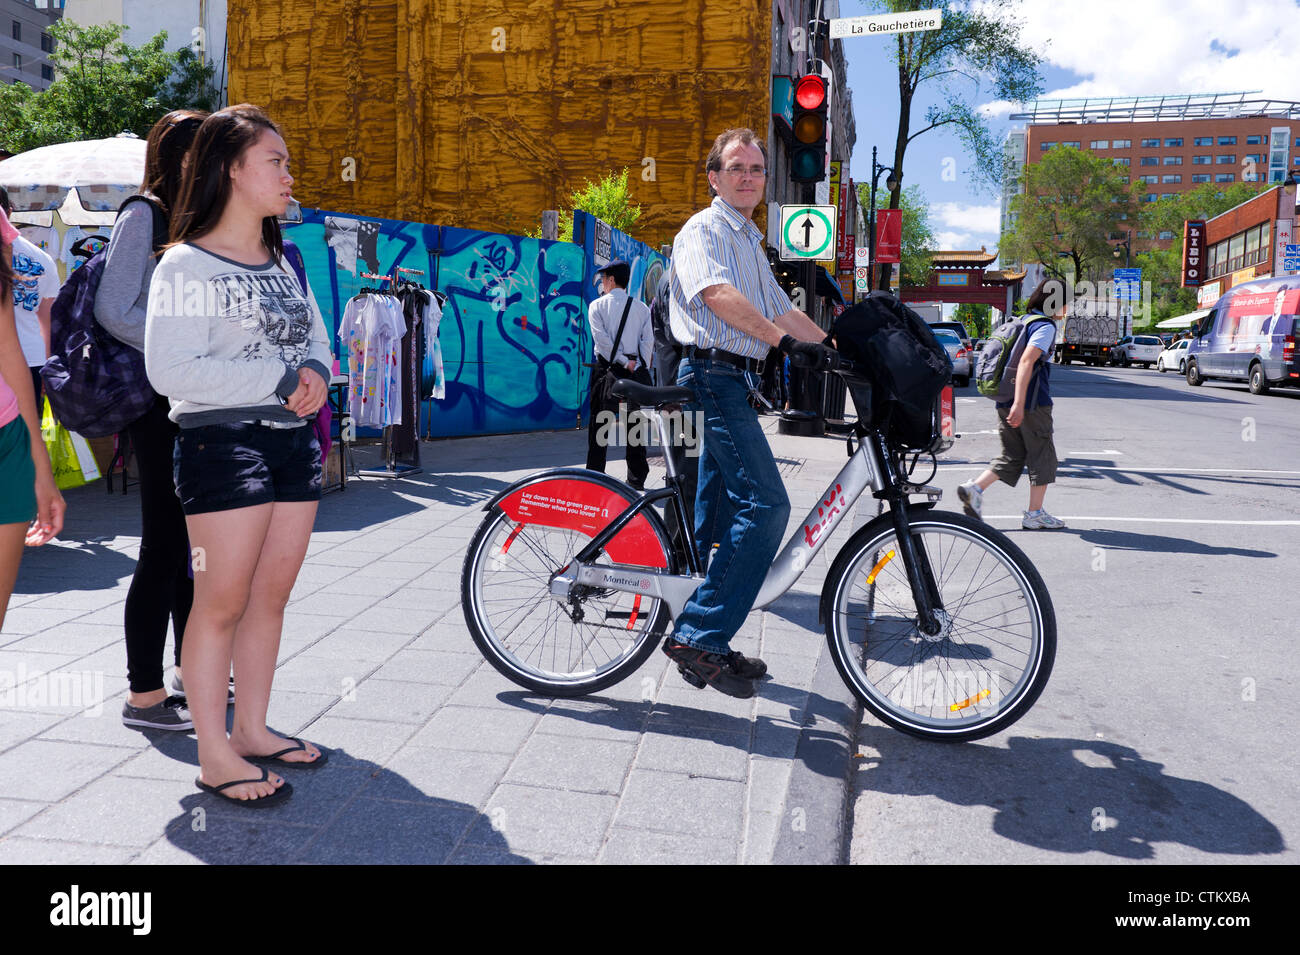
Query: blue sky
1103	48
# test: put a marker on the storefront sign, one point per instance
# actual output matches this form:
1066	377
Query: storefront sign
1209	293
953	278
1282	237
1193	252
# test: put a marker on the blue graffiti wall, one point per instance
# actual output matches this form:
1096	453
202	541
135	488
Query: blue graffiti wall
513	334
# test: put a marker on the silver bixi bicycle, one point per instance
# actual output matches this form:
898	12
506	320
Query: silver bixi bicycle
938	623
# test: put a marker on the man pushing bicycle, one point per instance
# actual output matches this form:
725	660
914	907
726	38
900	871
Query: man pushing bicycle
727	311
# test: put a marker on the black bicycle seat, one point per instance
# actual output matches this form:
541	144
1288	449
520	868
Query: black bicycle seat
650	396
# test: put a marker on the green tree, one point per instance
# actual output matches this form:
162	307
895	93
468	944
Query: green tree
918	239
1070	204
976	318
103	86
975	42
918	234
607	199
1163	268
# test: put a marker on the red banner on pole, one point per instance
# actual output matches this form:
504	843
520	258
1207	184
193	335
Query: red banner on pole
889	235
847	247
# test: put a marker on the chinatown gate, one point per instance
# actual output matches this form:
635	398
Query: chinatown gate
965	277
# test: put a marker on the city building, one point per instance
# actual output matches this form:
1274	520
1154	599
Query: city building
25	42
476	116
1249	242
197	24
1170	144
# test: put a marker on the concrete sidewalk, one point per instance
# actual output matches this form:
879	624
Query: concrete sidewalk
435	757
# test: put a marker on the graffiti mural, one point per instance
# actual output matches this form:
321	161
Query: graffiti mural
513	331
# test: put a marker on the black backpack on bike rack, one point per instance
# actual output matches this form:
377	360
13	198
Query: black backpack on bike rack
903	371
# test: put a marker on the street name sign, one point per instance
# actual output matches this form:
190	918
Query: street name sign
910	22
807	232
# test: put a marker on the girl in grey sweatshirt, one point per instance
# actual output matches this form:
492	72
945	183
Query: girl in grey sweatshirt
241	351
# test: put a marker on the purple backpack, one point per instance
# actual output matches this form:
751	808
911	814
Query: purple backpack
96	384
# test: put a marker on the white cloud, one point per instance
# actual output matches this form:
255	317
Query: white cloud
961	225
966	217
948	241
1152	47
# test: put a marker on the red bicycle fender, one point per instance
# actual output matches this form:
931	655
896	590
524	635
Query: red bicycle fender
586	507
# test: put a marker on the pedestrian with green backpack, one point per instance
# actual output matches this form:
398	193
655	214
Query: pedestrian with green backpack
1014	369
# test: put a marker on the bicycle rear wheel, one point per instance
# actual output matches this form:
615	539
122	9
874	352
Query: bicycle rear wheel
549	645
993	654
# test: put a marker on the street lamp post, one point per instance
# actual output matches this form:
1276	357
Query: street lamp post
1126	245
890	183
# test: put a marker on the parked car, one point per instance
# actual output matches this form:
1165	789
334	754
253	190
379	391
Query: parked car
1137	349
1250	335
958	353
956	328
1174	357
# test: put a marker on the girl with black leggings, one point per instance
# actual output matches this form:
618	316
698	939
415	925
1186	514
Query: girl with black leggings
162	588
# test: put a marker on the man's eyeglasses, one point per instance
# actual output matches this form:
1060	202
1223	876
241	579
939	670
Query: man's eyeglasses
756	171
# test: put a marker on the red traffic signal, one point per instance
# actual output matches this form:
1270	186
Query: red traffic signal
808	155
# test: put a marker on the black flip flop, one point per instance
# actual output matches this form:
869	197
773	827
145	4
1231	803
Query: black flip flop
298	763
280	795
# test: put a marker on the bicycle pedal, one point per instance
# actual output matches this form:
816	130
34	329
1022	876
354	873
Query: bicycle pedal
691	677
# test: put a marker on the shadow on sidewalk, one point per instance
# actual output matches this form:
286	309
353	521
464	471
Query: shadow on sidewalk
68	565
1069	795
372	501
821	752
350	812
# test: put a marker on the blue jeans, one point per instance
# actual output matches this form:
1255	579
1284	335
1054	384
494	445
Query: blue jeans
740	505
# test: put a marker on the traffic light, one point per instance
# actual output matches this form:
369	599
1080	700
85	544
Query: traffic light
808	156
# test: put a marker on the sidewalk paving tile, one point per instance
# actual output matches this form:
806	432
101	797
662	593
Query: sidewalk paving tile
14	812
476	728
346	739
348	643
697	752
401	833
15	850
389	702
460	775
678	803
429	666
115	810
573	764
534	821
642	847
49	771
244	838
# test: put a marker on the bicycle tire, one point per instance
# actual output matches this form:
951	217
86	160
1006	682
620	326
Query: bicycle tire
988	666
556	655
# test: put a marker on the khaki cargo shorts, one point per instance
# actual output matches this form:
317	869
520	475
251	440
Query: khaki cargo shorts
1028	446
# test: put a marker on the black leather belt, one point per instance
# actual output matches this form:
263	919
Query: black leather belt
754	365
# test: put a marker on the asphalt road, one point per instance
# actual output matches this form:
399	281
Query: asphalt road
1164	735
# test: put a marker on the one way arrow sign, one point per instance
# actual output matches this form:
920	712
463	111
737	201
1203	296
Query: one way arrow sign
807	232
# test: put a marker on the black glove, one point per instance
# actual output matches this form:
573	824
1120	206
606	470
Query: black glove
813	355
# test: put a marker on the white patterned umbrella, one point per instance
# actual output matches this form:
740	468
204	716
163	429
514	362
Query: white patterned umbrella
105	173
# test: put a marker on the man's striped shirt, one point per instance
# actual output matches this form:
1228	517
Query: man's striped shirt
719	246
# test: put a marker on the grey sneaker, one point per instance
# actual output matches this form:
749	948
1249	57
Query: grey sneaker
179	689
170	714
972	499
1040	520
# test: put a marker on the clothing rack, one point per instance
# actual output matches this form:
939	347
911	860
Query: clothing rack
402	441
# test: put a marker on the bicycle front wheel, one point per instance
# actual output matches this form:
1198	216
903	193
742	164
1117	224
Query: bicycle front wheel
995	647
551	645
